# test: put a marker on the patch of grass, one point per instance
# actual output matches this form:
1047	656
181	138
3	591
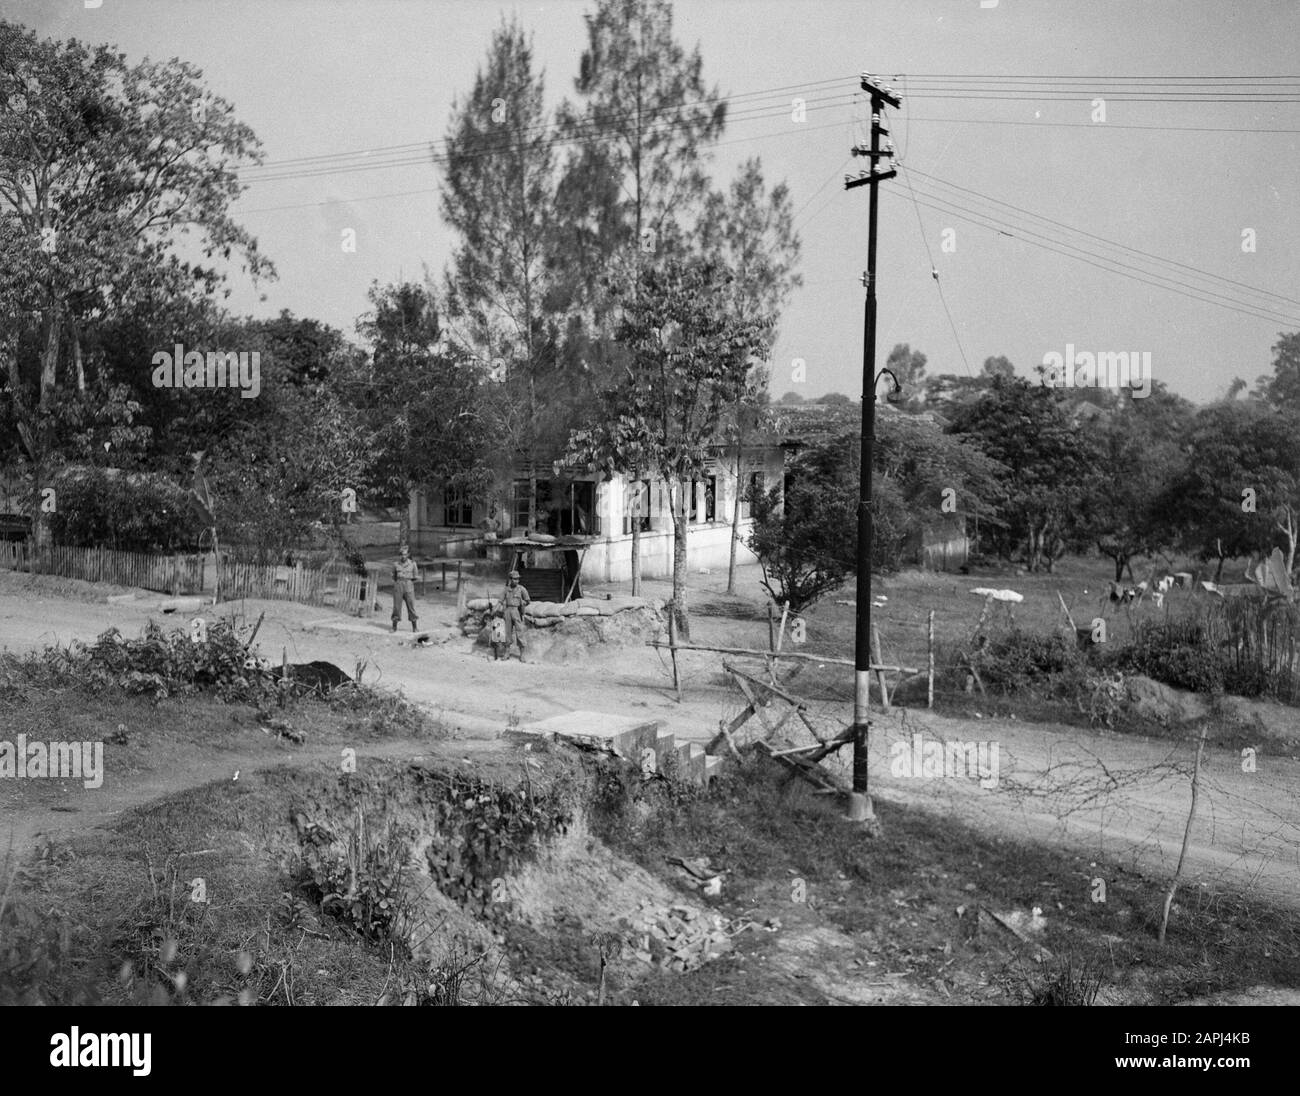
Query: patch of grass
1065	982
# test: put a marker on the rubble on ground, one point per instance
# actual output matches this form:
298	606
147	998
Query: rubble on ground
681	938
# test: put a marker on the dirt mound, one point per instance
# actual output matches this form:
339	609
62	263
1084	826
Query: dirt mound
1161	703
1272	722
1233	717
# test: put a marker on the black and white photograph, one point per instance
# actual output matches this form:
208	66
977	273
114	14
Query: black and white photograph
632	503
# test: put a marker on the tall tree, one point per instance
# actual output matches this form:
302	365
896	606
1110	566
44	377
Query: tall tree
102	166
689	362
421	399
505	292
644	124
751	232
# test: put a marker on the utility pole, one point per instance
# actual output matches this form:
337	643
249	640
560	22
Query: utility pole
881	96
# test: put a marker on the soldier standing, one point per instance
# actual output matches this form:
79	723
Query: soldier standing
513	601
405	572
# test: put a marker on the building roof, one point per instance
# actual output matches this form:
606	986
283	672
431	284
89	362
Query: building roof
543	540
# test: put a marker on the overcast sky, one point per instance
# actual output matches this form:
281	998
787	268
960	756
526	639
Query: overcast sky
1178	180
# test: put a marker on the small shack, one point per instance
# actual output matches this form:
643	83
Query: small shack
550	568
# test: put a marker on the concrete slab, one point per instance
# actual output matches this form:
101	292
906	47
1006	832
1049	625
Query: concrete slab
345	624
619	734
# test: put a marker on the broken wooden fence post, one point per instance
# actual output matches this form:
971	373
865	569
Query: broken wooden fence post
780	641
751	653
880	673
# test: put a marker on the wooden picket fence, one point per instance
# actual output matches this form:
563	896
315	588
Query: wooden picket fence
173	574
13	555
332	585
336	586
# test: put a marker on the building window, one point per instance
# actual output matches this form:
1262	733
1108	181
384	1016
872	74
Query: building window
519	505
709	510
756	486
574	512
636	507
457	508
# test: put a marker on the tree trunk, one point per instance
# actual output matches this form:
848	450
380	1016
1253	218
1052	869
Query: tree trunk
76	359
1290	530
50	359
735	529
677	502
1119	566
532	451
634	521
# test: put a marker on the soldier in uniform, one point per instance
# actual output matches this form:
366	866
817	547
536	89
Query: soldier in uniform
405	572
513	601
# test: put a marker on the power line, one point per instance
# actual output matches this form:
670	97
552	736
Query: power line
788	132
542	127
933	269
1089	87
1100	127
509	144
1092	259
1108	242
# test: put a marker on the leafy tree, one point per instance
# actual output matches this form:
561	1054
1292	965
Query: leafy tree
308	350
644	122
925	479
1049	461
1135	468
837	398
805	537
998	367
908	366
750	232
506	287
103	165
689	361
420	399
1232	448
1283	388
277	479
791	397
951	394
99	507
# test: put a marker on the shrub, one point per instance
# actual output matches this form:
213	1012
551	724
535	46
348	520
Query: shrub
160	664
131	513
362	885
1022	660
1176	652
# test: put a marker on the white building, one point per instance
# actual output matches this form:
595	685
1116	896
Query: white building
574	501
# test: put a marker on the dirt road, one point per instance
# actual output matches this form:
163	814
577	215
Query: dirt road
1123	796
